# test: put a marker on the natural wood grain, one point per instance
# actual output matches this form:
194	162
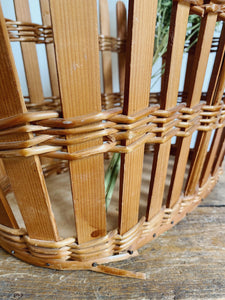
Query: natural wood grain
199	68
121	33
50	51
179	19
106	55
191	253
29	53
141	30
201	58
213	84
6	216
220	153
211	157
77	56
179	168
199	163
33	198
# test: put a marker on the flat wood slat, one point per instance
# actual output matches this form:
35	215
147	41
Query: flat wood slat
139	56
30	57
106	55
50	51
25	175
178	26
213	84
200	165
6	215
201	58
199	69
77	55
121	34
210	158
219	155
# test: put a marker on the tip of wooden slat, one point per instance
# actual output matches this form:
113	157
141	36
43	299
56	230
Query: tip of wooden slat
119	272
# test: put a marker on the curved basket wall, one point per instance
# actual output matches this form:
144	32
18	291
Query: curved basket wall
50	143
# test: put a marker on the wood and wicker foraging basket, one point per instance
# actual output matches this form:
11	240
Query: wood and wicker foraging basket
55	149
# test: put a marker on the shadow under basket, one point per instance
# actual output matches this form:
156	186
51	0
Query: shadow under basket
55	150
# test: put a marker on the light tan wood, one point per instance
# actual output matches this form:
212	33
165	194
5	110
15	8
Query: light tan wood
179	19
211	157
139	56
179	168
33	200
50	51
200	152
121	33
6	216
29	53
201	58
214	96
213	84
197	74
106	55
219	155
199	68
76	42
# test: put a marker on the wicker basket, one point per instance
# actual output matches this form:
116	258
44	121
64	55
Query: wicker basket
52	149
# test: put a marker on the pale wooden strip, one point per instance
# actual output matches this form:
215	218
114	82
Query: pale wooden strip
203	138
139	56
200	152
210	158
216	88
179	19
29	53
121	33
220	86
77	55
179	168
201	59
216	69
50	51
6	216
106	55
214	96
220	154
25	175
191	56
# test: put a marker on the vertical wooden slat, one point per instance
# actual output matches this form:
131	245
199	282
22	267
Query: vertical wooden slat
217	96
178	26
50	51
106	55
195	88
25	174
213	84
6	215
121	34
201	58
210	158
141	30
202	165
219	155
77	55
203	138
29	53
